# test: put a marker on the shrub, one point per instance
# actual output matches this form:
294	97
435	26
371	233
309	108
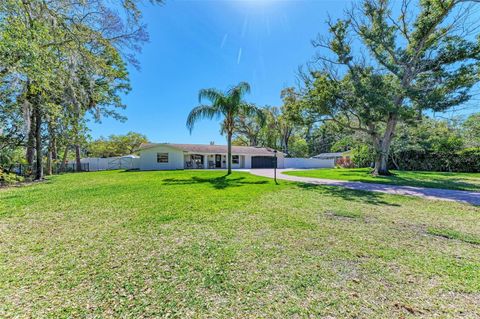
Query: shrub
362	156
9	178
345	162
466	160
298	148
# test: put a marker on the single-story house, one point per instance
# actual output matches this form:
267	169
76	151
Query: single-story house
169	156
334	156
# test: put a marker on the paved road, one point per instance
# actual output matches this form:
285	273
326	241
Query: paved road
429	193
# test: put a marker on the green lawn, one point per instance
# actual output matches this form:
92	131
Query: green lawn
196	244
458	181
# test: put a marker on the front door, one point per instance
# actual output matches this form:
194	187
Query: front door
218	161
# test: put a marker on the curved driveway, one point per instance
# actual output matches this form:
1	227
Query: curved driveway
429	193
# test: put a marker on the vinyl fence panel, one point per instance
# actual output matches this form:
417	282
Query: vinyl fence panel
293	162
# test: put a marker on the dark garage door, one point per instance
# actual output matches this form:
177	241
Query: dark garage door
262	162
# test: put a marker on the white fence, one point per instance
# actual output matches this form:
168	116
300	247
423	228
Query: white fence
109	163
308	163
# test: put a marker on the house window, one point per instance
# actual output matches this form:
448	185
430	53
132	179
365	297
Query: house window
162	157
235	159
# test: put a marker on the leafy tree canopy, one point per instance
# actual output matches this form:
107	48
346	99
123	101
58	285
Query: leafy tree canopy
377	69
116	145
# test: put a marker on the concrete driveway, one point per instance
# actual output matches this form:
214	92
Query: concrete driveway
428	193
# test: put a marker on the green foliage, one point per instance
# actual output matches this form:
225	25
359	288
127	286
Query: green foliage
273	127
248	127
60	61
467	160
344	143
420	60
362	155
9	178
229	105
435	145
472	130
298	148
116	145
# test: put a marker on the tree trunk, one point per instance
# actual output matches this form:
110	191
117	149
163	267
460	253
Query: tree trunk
52	148
394	161
380	167
286	139
77	158
229	153
382	147
49	162
30	154
64	160
38	145
253	141
76	136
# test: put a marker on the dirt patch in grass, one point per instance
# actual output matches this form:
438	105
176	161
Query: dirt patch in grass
453	234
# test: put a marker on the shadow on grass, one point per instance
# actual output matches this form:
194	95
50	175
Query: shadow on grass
432	182
217	182
372	198
442	180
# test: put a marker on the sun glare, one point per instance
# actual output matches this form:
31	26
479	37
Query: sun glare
257	3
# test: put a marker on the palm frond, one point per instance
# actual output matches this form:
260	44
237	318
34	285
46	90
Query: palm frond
228	104
236	93
213	95
242	88
201	112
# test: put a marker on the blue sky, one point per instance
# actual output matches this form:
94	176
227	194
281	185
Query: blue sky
202	44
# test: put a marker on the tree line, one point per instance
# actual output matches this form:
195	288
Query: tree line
386	65
62	63
378	75
429	143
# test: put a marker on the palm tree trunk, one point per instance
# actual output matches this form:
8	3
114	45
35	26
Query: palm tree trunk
229	152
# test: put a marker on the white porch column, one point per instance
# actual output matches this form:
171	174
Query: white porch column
206	160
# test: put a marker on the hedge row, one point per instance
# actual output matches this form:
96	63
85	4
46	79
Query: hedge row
467	160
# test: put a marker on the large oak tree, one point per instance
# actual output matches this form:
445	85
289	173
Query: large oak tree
377	68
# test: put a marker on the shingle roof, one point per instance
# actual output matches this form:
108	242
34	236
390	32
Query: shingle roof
212	149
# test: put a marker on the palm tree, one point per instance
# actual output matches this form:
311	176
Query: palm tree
228	105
